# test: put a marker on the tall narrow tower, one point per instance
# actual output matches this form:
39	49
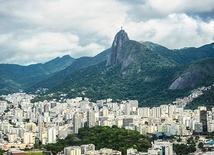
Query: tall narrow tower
52	135
77	121
91	118
203	119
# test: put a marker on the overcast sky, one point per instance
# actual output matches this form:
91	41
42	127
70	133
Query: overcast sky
33	31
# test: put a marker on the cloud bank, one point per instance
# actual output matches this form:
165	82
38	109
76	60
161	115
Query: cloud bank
37	31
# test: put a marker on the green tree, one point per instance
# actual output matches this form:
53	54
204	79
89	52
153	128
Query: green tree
200	145
179	139
1	152
104	136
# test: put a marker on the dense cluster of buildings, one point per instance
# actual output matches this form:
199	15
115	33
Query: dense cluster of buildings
23	123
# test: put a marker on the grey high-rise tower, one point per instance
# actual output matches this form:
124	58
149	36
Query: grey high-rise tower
203	119
77	122
91	118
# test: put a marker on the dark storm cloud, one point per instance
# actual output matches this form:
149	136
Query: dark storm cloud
205	16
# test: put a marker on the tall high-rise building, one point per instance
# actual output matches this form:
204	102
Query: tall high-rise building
52	135
105	111
203	119
164	109
156	112
46	108
28	138
143	112
77	122
171	110
41	128
127	108
91	118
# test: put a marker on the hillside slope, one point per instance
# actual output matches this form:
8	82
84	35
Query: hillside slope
16	77
147	75
182	56
134	71
78	64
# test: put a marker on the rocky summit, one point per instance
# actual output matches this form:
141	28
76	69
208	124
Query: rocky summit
119	40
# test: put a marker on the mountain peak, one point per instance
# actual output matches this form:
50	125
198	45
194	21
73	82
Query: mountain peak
119	40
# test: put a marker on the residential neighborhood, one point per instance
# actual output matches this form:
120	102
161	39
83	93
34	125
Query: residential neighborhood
24	123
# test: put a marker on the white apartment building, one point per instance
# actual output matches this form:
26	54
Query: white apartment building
28	138
52	135
72	150
77	122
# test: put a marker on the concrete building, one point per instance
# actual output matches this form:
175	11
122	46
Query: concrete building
86	148
164	109
91	118
203	119
167	147
127	108
72	150
12	138
127	121
52	135
77	122
143	112
156	112
29	138
210	126
198	127
31	127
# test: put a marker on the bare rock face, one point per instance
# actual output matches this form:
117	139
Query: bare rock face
115	57
187	80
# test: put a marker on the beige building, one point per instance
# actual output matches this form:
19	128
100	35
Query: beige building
72	150
28	138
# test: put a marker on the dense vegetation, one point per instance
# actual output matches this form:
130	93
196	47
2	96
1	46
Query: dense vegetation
145	73
147	78
16	77
187	148
182	56
206	99
184	149
150	88
104	137
78	64
1	152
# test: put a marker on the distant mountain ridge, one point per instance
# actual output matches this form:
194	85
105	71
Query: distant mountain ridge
148	72
182	56
77	64
142	71
16	77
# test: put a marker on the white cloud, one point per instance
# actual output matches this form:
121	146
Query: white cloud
178	6
174	31
37	31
